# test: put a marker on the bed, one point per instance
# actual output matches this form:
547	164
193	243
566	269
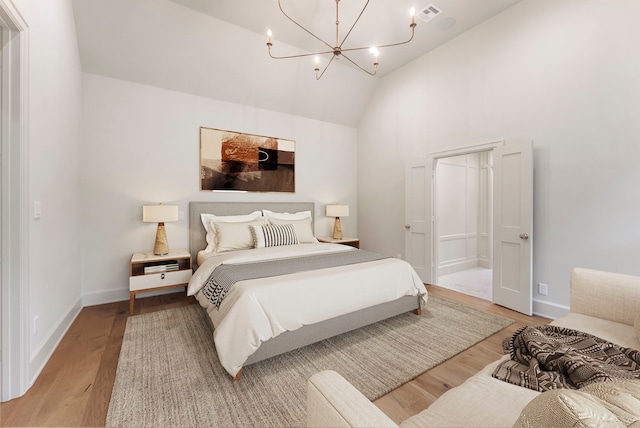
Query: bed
262	317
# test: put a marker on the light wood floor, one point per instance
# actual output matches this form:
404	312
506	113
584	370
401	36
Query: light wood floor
75	386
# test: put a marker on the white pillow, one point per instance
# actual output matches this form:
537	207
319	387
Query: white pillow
287	216
235	236
272	235
303	228
211	232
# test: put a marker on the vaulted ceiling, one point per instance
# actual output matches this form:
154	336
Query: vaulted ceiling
217	49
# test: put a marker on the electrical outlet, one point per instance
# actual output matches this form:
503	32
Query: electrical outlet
399	256
543	289
180	215
35	325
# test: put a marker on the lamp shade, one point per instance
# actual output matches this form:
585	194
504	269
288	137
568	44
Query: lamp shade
337	210
159	213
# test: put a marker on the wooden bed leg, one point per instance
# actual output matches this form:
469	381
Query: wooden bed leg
417	311
237	376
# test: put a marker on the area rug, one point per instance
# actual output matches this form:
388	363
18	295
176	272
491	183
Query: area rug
168	372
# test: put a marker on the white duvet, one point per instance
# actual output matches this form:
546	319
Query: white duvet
257	310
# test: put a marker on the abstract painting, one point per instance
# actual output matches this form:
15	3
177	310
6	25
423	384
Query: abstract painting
235	161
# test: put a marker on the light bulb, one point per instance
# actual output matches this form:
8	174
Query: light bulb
375	53
269	34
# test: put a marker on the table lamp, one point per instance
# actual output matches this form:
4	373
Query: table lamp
337	211
159	214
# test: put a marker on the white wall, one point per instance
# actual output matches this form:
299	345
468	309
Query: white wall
558	73
140	145
54	86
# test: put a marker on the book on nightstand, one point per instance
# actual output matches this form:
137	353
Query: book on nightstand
162	267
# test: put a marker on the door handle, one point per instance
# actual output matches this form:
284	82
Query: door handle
407	226
524	236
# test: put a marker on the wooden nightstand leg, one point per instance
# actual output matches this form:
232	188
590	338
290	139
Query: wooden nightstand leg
132	298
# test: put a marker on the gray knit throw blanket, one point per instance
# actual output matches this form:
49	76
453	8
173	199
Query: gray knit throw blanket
225	276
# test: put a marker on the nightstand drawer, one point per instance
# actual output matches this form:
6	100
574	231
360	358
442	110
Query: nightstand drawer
142	282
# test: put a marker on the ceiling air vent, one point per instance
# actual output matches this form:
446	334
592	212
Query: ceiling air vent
429	12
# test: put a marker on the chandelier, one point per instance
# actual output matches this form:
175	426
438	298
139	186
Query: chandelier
338	50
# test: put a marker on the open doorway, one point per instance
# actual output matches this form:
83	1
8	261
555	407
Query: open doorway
463	223
509	201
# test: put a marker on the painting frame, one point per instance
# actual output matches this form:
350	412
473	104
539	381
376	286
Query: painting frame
240	162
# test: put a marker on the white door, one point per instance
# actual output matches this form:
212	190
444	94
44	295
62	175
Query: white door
418	218
513	226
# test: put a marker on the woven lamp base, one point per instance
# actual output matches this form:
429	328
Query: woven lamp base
337	229
161	246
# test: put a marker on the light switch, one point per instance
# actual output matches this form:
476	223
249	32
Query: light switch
37	209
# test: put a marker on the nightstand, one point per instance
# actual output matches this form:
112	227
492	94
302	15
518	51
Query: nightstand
353	242
148	272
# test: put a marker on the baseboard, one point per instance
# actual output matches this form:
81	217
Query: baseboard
105	296
548	309
449	268
485	263
111	296
40	357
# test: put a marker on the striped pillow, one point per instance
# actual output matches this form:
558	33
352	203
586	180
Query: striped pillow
272	235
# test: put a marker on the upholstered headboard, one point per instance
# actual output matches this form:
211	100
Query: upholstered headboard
197	234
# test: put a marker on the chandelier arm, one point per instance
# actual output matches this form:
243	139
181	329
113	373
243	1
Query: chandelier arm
318	77
299	55
352	27
358	49
360	67
413	27
383	46
294	21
